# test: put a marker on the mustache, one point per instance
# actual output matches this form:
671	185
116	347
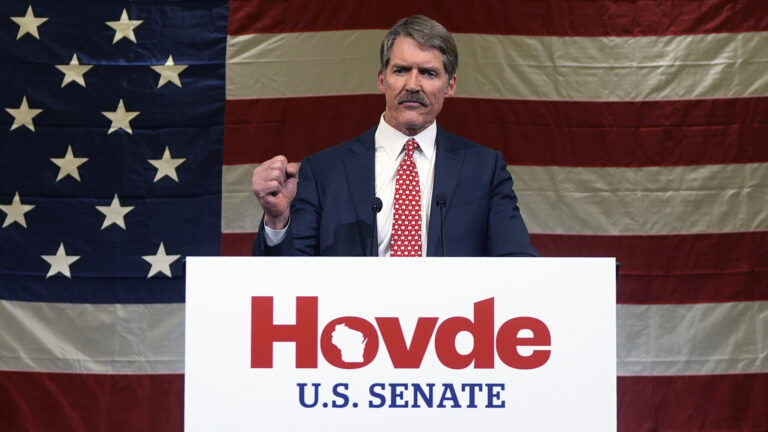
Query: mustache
417	97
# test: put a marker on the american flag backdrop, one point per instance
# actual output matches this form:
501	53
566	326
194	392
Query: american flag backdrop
129	130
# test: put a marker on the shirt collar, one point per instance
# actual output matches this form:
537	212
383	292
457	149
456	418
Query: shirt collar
390	140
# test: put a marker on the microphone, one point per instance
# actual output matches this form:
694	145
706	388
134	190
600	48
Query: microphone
440	202
375	209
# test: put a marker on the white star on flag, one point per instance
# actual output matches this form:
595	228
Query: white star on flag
28	24
124	27
23	115
74	71
120	118
114	213
166	166
169	72
60	262
68	165
15	211
160	262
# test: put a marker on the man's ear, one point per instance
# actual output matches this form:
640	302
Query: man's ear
380	80
451	89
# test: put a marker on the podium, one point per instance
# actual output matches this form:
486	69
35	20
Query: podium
381	344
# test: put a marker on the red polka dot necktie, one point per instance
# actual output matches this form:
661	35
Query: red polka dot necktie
406	222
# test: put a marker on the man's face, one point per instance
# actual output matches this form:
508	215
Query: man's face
414	86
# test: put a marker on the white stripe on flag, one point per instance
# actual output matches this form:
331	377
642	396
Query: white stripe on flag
651	200
510	67
707	338
240	211
92	338
568	200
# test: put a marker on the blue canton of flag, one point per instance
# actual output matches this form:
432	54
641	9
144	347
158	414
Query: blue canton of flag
111	123
111	143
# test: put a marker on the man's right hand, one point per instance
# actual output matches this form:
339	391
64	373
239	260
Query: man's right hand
274	184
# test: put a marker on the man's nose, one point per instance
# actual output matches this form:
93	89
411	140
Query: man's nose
413	82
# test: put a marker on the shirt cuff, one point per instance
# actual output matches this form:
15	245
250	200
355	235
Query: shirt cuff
275	237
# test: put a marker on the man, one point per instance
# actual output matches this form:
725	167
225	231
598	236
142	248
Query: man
439	194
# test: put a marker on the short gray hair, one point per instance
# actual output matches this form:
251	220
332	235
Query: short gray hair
427	32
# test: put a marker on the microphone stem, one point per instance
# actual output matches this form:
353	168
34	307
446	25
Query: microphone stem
375	209
374	249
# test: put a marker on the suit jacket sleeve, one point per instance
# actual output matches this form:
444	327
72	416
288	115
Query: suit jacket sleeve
507	234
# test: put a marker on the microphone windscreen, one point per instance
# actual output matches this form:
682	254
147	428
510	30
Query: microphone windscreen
376	204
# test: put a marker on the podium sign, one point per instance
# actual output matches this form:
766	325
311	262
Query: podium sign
455	344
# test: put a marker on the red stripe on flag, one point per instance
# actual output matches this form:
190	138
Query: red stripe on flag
237	244
43	402
661	269
257	129
532	17
734	403
675	269
564	133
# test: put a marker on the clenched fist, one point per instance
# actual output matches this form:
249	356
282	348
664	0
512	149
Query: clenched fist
274	184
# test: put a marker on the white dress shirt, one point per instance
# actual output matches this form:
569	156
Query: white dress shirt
390	150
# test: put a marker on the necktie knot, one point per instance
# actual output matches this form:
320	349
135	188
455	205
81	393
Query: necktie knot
410	146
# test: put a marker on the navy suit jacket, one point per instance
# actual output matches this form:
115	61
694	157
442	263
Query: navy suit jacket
332	216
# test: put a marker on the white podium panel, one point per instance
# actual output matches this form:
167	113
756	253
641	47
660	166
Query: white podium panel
348	344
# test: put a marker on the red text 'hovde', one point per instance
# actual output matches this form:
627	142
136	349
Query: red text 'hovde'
487	345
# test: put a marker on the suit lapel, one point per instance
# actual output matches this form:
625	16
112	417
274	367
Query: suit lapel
448	162
360	172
